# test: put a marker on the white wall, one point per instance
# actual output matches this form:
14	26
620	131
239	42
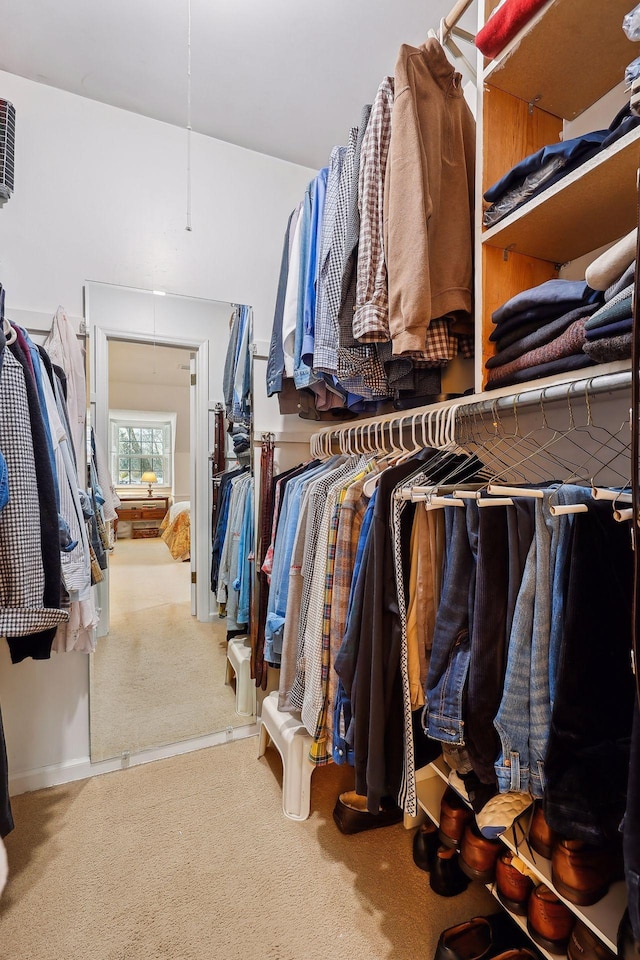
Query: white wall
143	396
101	195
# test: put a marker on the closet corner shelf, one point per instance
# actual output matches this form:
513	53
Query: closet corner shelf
593	205
603	917
569	55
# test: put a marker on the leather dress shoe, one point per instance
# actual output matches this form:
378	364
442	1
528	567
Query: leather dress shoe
541	836
516	954
446	877
628	946
549	920
454	816
425	845
478	855
513	887
351	815
584	945
582	873
471	940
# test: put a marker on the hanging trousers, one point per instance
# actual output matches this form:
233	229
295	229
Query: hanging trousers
587	762
488	641
631	832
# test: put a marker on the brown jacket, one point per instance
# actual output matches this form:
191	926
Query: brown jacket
429	192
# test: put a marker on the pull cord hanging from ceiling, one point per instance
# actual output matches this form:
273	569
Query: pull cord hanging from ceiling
188	225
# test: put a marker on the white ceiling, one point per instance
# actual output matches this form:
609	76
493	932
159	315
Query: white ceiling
145	363
283	77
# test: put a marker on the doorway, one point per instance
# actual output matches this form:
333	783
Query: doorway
158	674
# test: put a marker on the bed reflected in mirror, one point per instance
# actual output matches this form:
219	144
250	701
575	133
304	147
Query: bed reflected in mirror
160	674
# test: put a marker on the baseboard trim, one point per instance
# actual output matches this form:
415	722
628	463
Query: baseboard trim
82	768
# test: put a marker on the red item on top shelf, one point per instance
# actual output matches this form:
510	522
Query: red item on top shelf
504	24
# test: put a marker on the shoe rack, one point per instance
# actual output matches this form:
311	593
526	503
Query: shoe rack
602	917
566	58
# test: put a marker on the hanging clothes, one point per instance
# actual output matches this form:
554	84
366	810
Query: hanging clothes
237	368
63	348
267	508
237	555
30	585
336	349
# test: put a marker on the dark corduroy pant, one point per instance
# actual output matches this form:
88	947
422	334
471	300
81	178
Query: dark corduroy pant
631	833
587	759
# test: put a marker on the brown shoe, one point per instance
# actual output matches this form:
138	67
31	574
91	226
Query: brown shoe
549	920
513	887
454	816
584	945
582	873
541	836
471	940
521	954
478	855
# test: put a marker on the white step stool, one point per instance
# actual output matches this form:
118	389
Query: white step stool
239	664
289	735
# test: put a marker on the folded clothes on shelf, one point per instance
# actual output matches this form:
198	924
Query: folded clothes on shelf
523	323
615	329
611	265
538	338
608	349
567	344
618	308
620	284
538	171
503	337
565	365
547	297
505	22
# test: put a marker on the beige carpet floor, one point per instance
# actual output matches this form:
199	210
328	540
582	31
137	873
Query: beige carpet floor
158	677
191	859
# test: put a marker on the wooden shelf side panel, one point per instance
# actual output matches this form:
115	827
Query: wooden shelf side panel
502	279
511	132
568	56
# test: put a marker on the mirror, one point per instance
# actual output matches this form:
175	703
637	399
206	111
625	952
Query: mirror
158	368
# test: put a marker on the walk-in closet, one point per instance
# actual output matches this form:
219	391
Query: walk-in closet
319	480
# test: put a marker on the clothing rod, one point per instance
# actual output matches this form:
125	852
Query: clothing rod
451	19
485	402
605	383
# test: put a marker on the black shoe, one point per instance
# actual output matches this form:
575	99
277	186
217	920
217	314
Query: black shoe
447	879
351	816
479	793
425	845
472	940
628	946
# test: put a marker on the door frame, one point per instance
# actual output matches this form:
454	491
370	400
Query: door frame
98	344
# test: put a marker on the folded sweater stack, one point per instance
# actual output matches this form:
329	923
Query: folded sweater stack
541	331
563	325
608	331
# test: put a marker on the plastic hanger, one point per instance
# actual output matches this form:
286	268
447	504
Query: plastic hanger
7	329
371	483
442	436
408	454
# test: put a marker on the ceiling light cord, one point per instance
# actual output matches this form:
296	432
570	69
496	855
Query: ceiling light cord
188	226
